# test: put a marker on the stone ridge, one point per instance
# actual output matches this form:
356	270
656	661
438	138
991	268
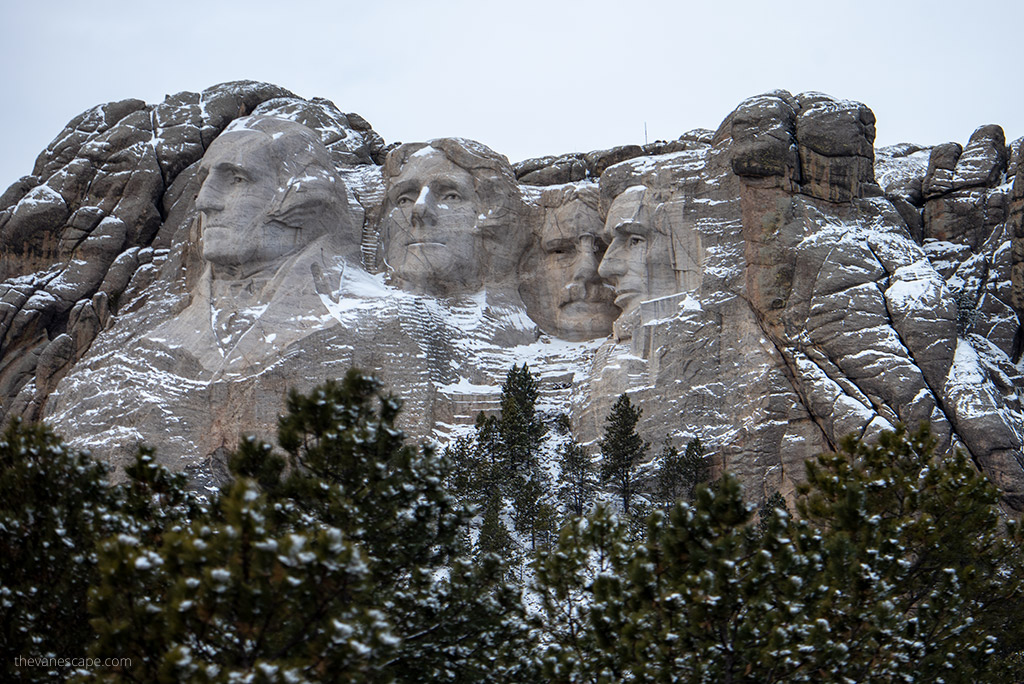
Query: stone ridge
769	286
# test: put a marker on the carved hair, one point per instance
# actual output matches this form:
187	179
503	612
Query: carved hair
493	178
307	181
493	181
558	195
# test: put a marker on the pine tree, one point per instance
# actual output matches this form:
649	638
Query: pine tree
239	592
622	450
520	428
56	508
505	464
919	565
533	516
578	478
672	606
494	537
899	569
463	478
54	502
680	474
345	566
490	474
590	551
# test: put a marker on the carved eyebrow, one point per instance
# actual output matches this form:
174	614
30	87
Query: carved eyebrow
230	167
631	227
403	188
442	184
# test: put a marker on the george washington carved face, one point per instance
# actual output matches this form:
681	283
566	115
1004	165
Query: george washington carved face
269	190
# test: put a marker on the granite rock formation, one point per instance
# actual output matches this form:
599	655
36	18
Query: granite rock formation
170	271
558	278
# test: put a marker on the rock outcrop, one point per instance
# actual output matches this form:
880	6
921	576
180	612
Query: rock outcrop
170	271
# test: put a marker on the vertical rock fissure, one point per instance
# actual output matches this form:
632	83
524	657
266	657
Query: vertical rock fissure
789	373
936	395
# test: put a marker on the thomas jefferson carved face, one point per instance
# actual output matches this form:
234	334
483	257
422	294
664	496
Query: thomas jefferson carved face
449	217
269	190
638	261
435	235
561	288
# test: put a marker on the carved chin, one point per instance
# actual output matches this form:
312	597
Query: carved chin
223	251
627	301
586	311
585	320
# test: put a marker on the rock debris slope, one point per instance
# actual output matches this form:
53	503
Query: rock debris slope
170	270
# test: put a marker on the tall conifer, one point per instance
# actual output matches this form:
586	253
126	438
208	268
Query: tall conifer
622	450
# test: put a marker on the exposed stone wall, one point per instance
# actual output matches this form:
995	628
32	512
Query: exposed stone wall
170	271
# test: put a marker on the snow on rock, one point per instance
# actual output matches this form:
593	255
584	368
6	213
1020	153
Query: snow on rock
800	285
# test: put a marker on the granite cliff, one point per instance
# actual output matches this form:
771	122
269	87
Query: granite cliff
170	270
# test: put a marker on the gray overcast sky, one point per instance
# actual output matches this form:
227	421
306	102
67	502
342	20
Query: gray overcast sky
529	77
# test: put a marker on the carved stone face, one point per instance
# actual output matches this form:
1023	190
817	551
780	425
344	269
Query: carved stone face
638	261
433	239
267	193
236	199
561	288
453	218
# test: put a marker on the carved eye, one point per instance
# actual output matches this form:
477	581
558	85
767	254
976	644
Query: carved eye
404	201
561	249
450	195
238	179
635	240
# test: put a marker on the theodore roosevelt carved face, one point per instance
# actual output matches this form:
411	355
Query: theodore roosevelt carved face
450	216
560	285
269	189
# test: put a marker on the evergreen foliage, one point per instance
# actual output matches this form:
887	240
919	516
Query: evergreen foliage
346	566
53	503
342	557
519	427
533	515
463	475
494	537
899	570
680	474
579	482
622	450
920	567
502	462
55	508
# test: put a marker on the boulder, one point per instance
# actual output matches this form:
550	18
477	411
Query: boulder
600	160
836	142
941	164
984	160
763	134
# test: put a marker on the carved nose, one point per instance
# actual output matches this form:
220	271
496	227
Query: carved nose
209	198
585	268
424	212
612	265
